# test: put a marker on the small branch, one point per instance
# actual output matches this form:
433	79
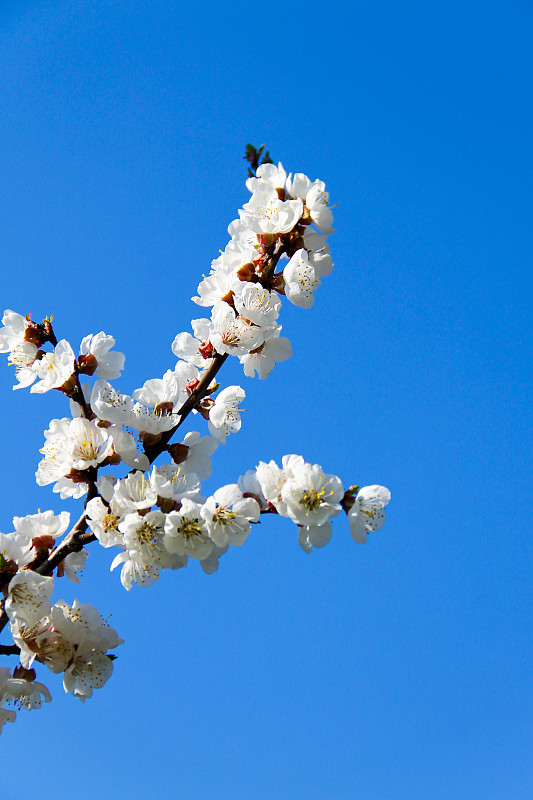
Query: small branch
79	398
9	650
4	619
197	395
72	543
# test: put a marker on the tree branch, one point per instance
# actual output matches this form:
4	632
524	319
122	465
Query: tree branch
9	650
72	543
197	395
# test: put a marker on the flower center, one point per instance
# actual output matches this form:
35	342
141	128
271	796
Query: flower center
147	534
224	515
311	499
110	522
190	528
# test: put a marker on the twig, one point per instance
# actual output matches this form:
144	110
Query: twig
72	543
9	650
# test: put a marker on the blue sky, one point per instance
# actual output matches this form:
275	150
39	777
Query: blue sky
396	671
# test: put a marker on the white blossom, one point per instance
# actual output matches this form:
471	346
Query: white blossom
185	346
22	357
151	420
199	452
109	405
103	521
257	304
310	496
228	515
20	545
264	358
221	281
310	536
87	444
71	444
367	513
134	492
125	447
56	462
108	365
272	479
168	389
315	198
300	280
54	369
73	564
318	252
174	482
13	331
89	669
232	333
44	523
224	417
209	564
145	555
268	175
29	694
249	484
186	531
266	213
28	597
6	715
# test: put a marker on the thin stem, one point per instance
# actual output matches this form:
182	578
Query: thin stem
9	650
72	543
197	395
79	398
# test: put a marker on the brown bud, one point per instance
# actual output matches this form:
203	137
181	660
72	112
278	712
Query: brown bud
247	272
349	497
45	542
35	332
24	674
167	504
7	570
305	219
228	298
278	283
149	439
88	364
111	460
268	239
178	452
70	385
205	406
49	331
207	350
191	386
164	409
78	476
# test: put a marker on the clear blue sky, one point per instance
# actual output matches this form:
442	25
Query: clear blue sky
396	671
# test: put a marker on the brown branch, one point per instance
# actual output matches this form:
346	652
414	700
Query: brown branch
9	650
79	398
73	542
197	395
4	619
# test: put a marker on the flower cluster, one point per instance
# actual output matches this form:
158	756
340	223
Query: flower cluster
33	538
73	639
159	520
20	689
24	339
273	252
142	492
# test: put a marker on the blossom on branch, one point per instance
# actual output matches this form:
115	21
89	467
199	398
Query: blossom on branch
154	514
